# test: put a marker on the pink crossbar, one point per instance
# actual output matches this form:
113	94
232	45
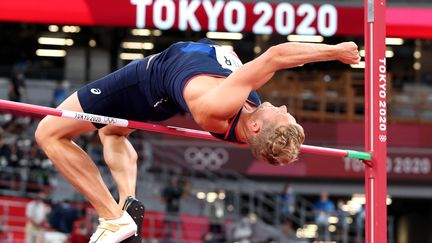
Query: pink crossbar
42	110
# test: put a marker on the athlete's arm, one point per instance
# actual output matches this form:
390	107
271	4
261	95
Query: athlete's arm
234	90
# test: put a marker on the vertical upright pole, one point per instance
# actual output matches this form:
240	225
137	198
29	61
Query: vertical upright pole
375	121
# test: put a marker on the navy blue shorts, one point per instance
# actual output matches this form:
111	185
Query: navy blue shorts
116	95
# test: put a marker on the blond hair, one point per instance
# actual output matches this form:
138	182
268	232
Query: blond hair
277	144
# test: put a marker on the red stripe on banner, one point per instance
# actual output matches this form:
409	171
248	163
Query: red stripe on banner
46	11
112	12
409	16
409	22
401	22
409	31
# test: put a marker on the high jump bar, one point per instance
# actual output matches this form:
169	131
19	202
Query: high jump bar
172	130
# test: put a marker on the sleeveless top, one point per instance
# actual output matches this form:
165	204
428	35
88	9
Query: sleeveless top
168	72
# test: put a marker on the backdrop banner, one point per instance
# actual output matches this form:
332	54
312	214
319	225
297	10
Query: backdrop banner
260	17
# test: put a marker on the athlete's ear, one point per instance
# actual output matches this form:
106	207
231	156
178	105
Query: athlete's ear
254	125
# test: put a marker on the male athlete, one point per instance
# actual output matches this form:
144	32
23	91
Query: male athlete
202	78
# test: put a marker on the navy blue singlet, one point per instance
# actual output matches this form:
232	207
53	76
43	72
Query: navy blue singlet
151	89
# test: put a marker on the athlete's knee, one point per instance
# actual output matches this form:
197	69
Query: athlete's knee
42	134
47	132
133	155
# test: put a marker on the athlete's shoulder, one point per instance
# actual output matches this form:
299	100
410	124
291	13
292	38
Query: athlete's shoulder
208	41
205	41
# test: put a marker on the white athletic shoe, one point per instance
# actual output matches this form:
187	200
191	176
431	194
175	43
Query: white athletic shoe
115	230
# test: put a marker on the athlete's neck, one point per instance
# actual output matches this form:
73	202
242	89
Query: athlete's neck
242	128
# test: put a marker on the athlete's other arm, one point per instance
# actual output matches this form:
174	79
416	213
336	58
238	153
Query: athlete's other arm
234	90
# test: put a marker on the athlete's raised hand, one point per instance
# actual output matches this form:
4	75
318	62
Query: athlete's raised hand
348	53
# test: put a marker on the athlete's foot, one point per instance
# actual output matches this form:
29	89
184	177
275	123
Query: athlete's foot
115	230
136	210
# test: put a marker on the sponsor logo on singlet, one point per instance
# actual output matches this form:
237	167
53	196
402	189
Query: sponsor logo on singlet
95	91
160	102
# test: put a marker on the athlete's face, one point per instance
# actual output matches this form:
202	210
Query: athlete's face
268	112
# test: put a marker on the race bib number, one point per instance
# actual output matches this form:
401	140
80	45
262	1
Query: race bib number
227	58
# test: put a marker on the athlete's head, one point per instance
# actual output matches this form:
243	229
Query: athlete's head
274	135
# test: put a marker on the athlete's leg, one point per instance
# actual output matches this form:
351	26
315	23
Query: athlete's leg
121	158
54	135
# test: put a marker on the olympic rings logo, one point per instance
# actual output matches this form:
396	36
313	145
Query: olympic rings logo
382	138
206	158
